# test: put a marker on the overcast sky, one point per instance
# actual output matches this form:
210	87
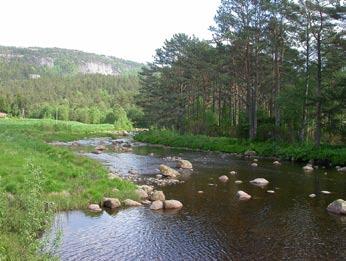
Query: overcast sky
130	29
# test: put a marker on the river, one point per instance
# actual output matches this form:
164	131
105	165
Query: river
213	225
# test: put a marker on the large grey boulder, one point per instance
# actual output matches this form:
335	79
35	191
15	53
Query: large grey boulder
337	207
156	205
148	189
141	193
172	204
111	203
241	195
157	195
223	178
259	182
184	164
131	203
168	172
308	168
343	169
94	208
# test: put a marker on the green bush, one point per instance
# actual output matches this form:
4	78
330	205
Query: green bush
121	120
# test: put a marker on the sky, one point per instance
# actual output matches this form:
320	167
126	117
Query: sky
129	29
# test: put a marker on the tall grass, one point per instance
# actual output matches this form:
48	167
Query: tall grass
300	152
34	176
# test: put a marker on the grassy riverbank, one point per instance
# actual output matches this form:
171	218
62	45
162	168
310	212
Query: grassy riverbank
334	154
34	174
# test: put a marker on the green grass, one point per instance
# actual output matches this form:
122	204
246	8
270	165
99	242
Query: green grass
66	181
300	152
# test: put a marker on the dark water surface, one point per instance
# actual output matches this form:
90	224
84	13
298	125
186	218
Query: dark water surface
287	225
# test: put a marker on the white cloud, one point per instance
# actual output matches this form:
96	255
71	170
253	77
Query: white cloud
130	29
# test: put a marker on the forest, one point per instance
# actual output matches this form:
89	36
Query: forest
275	70
91	98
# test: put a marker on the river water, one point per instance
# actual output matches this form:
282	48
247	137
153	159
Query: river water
287	225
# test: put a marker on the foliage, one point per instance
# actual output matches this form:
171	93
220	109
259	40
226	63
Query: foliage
84	98
121	121
274	71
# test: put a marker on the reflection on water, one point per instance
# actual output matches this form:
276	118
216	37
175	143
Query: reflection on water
214	225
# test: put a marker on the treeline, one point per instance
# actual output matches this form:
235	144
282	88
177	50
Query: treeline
85	98
274	70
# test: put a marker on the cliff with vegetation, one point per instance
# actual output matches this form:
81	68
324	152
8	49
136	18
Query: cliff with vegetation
33	62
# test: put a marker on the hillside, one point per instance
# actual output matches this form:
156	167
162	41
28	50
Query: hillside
63	84
33	62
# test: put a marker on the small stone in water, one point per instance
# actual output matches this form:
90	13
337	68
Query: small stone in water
233	172
200	192
254	164
312	195
255	160
238	182
223	178
270	191
325	192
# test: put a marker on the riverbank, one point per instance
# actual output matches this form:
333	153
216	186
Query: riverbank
333	155
37	179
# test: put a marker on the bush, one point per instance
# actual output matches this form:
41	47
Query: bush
121	120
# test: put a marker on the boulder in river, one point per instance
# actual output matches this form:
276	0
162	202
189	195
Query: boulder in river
200	191
223	178
157	195
312	195
271	191
172	204
233	172
156	205
131	203
184	164
141	193
254	164
343	169
308	168
337	207
241	195
277	163
238	182
326	192
255	160
259	182
94	208
250	153
168	172
111	203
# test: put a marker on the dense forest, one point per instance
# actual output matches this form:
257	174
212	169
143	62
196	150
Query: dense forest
274	70
67	85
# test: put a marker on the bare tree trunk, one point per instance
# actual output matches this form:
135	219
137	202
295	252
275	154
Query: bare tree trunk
318	91
307	79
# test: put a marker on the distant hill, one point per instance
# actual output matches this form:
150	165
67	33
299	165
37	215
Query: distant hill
34	62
